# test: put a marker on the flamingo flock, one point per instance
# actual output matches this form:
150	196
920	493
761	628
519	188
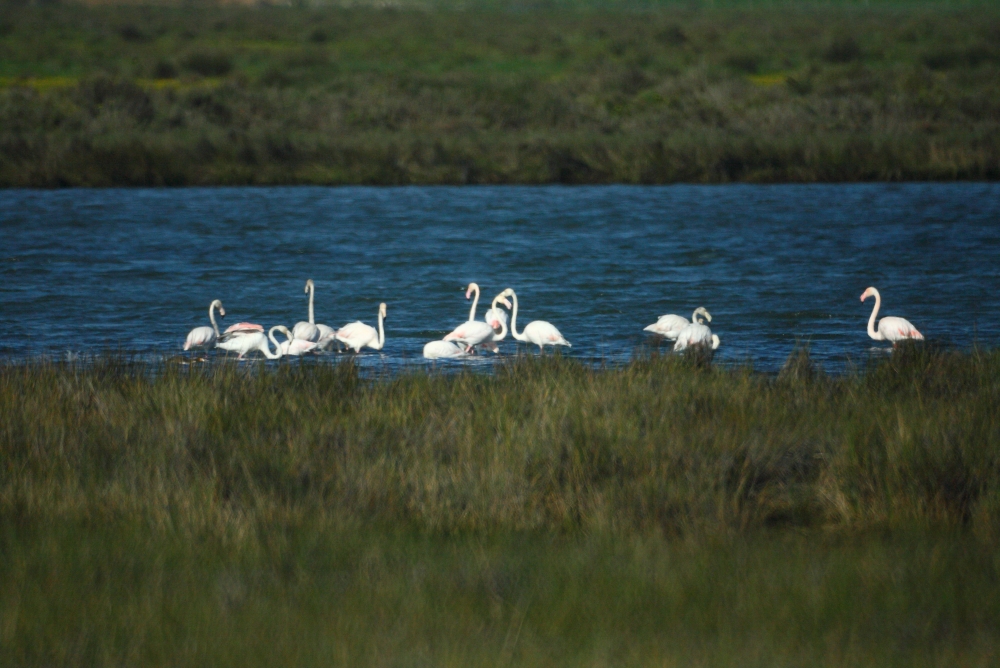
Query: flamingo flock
473	336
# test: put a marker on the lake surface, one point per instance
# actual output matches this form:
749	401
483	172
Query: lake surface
92	270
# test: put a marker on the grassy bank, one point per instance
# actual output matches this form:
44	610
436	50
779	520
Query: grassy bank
549	514
213	95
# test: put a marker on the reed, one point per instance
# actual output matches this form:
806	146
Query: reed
666	512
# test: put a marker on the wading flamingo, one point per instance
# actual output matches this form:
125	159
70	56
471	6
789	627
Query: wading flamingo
293	346
436	350
670	326
539	332
357	335
205	337
696	335
249	340
310	331
890	328
475	332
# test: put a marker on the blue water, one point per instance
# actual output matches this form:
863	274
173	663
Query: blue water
86	271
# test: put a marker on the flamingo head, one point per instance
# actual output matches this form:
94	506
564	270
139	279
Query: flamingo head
703	311
509	292
218	306
505	302
381	310
868	293
283	330
473	287
309	284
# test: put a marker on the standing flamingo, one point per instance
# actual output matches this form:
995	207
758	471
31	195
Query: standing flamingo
670	326
357	334
310	331
474	332
204	336
696	335
539	332
890	328
248	340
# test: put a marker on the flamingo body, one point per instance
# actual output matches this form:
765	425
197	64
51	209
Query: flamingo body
244	342
670	326
357	335
205	336
435	350
696	335
471	333
890	328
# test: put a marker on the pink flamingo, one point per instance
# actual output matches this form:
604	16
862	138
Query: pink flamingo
204	336
539	332
890	328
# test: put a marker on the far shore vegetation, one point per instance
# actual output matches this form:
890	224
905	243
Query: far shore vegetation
667	512
484	92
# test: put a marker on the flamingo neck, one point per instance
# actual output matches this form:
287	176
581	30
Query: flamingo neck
694	316
211	316
513	320
381	332
267	350
475	302
503	325
871	321
312	292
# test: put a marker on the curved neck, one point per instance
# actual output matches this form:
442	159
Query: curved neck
871	321
503	325
266	350
694	316
475	302
211	316
513	319
312	292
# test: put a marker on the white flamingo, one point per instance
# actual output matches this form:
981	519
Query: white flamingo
696	335
436	350
357	335
473	332
205	337
539	332
890	328
670	326
248	340
310	331
293	346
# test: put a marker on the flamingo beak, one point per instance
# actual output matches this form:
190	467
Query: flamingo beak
505	302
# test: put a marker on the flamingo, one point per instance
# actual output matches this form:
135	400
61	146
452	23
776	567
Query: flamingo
475	332
539	332
357	334
248	340
696	335
294	346
670	326
890	328
204	336
443	350
310	331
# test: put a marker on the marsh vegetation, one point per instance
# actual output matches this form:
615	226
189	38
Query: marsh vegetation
667	511
494	94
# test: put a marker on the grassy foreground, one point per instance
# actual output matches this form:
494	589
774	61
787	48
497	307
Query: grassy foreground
665	513
606	92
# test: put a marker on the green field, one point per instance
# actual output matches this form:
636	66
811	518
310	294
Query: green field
667	512
491	93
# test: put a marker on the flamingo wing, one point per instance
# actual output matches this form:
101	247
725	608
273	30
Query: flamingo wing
471	333
200	337
443	350
242	327
305	331
898	329
356	335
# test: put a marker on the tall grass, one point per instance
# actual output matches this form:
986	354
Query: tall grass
210	95
667	512
661	445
